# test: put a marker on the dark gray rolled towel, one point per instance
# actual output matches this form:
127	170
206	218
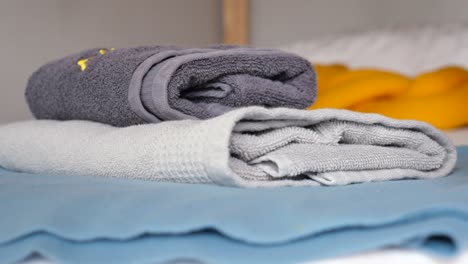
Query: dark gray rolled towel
151	84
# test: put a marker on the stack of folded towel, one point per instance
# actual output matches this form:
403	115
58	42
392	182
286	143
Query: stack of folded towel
437	97
246	147
222	115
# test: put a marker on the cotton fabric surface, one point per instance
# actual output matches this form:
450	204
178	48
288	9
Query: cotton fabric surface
150	84
250	147
105	220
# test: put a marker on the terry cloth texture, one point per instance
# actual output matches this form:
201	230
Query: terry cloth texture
100	220
130	86
249	147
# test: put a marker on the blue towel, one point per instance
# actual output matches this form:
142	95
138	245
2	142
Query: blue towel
99	220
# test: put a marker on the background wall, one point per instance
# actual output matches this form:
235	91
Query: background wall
34	32
277	22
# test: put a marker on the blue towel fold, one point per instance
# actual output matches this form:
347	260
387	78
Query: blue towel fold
100	220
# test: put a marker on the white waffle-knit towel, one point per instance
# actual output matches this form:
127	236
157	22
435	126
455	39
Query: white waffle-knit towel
249	147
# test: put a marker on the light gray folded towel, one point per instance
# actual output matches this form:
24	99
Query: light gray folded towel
131	86
249	147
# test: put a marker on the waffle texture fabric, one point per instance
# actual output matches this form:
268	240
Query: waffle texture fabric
249	147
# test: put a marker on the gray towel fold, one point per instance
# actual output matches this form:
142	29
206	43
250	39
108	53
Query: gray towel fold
249	147
130	86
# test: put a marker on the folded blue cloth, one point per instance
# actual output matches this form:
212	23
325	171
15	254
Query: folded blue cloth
101	220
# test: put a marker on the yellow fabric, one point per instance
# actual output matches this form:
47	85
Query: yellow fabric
439	97
438	81
349	91
326	73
